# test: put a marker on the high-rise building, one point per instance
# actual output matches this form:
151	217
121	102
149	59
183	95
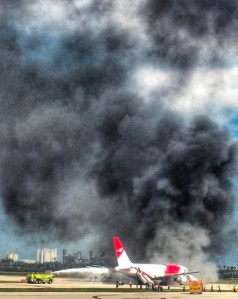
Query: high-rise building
45	255
12	256
64	255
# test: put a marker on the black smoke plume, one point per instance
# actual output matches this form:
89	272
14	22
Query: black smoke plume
186	33
83	153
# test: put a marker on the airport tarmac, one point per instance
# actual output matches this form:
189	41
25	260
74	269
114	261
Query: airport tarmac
13	282
108	295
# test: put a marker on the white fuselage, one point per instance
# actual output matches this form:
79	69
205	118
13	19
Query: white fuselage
157	272
150	274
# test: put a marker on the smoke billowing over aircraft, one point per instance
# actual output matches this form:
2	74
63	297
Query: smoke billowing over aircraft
112	121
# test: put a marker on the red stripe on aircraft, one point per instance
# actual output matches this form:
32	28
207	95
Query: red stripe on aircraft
172	269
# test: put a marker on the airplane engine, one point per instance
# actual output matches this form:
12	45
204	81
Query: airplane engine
181	279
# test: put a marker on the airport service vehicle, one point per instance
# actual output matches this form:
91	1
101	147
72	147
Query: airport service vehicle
40	278
195	287
151	274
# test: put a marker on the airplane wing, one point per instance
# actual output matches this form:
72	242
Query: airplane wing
175	275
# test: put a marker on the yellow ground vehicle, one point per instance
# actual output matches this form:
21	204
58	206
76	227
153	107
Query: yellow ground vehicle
195	287
40	278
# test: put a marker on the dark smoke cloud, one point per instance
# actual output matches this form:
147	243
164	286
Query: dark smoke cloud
82	153
185	33
174	174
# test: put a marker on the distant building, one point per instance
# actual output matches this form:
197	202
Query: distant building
74	258
12	256
45	255
64	256
27	261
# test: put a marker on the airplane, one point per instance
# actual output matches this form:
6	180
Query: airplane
147	274
150	274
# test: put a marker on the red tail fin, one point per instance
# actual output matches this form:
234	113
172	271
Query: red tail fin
121	255
118	246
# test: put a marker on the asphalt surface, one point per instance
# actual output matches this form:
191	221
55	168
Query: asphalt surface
114	295
11	282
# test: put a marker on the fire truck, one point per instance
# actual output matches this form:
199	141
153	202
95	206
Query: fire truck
40	278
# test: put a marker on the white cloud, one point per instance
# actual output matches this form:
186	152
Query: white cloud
209	91
50	16
149	79
203	91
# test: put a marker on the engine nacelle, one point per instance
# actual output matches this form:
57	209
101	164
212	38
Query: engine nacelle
181	279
